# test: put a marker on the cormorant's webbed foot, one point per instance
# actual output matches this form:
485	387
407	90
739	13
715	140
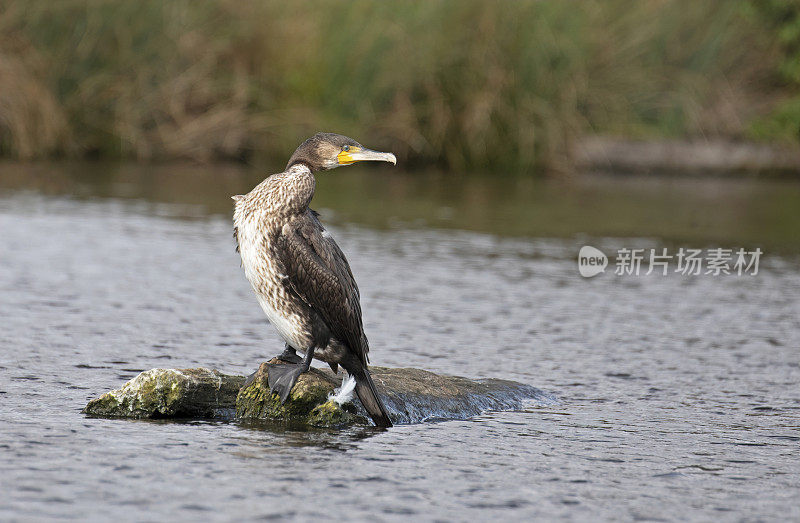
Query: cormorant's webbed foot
282	377
289	355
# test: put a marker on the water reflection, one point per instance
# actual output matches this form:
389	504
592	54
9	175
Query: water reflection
699	212
266	436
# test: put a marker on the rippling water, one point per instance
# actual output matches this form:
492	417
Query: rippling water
679	397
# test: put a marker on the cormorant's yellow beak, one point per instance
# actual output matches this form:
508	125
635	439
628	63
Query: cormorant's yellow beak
359	154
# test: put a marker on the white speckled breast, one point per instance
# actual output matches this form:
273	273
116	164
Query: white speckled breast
255	224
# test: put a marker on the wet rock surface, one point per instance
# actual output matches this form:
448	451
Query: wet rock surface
410	395
414	395
171	393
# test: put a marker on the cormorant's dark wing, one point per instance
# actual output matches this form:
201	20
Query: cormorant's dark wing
319	273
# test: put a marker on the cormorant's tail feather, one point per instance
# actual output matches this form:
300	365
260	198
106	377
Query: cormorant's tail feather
366	392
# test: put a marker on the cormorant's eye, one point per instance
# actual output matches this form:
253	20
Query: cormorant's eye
346	148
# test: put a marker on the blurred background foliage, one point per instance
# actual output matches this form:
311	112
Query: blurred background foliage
459	84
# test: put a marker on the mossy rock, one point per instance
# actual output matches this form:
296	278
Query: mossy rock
307	402
410	396
170	393
332	415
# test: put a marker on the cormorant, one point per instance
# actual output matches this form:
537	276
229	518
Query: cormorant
300	275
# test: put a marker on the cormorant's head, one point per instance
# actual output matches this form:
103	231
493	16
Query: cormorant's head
330	150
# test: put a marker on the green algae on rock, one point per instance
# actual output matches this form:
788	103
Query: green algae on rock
331	414
171	393
410	395
308	401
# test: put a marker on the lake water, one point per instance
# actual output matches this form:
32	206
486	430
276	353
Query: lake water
678	396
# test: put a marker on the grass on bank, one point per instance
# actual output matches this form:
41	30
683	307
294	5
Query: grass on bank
464	85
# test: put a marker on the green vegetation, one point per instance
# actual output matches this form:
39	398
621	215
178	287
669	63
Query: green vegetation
461	84
782	19
307	402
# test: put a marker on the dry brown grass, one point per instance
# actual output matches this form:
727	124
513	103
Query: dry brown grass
460	84
32	121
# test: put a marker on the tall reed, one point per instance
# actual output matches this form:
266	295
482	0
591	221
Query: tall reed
461	84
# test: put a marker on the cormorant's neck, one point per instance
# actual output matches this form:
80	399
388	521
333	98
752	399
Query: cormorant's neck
299	168
298	187
301	162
